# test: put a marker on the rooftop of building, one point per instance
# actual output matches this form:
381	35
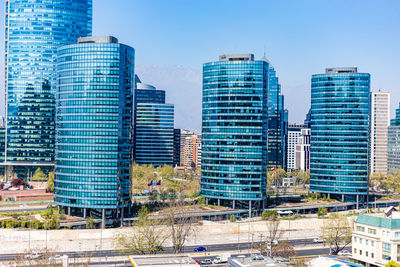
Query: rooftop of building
143	86
249	262
98	39
331	262
162	261
341	70
236	57
390	219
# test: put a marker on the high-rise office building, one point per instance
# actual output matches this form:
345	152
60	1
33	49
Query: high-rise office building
177	147
307	120
380	121
154	127
302	157
276	122
191	151
34	30
294	132
340	108
95	82
393	160
234	131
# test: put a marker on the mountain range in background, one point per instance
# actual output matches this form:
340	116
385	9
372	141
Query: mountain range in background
183	89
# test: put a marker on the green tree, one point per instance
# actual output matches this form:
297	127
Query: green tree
304	177
322	211
166	172
90	223
141	175
392	263
39	175
275	178
336	231
268	214
50	182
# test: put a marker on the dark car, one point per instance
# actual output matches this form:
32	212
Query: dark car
200	249
159	248
206	261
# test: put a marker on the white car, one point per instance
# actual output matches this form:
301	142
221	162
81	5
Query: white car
344	253
274	242
318	240
33	256
55	257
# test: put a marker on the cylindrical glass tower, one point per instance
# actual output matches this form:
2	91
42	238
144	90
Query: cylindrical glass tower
340	109
95	80
234	135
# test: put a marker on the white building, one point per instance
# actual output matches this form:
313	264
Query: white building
380	121
376	238
302	156
294	132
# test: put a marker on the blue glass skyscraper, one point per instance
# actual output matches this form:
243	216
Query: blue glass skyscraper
154	127
234	131
34	30
340	109
276	136
394	142
94	100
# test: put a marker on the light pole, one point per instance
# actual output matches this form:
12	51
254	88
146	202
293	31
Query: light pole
239	236
248	240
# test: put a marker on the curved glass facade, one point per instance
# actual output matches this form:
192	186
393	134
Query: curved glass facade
340	109
33	31
93	125
234	131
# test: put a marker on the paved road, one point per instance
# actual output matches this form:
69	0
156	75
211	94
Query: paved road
243	247
111	253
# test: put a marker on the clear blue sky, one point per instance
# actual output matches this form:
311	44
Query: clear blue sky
301	37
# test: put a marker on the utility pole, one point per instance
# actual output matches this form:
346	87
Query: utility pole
248	240
239	236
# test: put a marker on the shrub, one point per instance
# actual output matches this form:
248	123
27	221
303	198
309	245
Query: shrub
9	224
267	214
232	218
37	225
322	211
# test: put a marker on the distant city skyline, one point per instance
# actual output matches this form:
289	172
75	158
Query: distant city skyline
301	38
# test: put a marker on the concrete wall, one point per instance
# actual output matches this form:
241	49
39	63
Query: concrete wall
15	240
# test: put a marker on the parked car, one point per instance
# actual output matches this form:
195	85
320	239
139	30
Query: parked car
33	256
206	261
257	257
159	248
222	258
318	240
344	253
196	249
55	257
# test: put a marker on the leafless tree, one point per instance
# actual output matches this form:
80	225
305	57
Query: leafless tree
181	223
283	250
147	236
273	230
